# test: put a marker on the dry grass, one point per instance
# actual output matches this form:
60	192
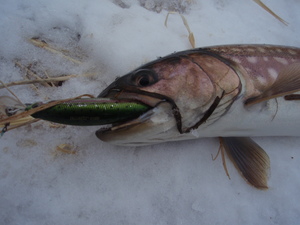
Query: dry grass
191	35
66	149
42	44
261	4
40	81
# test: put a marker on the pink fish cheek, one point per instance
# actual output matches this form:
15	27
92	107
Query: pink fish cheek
196	91
169	88
186	83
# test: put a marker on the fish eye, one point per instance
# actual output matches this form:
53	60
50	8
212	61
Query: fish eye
144	78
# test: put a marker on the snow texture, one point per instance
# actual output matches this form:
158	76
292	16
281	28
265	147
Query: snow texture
171	183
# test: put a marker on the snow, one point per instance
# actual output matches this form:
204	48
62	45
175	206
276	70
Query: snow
171	183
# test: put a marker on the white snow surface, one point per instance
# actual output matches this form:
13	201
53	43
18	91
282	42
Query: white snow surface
171	183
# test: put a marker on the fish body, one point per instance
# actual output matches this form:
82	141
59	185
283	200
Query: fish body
231	92
222	91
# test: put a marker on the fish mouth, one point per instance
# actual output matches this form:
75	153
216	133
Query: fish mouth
150	99
125	125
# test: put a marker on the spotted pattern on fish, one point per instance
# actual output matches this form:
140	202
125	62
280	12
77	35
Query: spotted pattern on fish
260	65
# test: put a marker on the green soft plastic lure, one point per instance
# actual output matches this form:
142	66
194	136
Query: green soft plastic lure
91	111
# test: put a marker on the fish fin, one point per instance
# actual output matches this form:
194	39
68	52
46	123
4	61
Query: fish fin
249	158
287	82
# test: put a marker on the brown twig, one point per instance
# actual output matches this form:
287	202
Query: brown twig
10	91
53	79
191	35
42	44
31	73
261	4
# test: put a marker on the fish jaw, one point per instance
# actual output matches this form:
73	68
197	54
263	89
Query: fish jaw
147	128
155	126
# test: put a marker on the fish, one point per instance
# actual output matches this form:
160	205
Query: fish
230	92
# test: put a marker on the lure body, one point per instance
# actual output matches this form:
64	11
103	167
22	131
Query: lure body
91	112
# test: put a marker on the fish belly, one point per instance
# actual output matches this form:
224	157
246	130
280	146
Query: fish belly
276	117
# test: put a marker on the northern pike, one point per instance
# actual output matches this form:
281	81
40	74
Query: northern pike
232	92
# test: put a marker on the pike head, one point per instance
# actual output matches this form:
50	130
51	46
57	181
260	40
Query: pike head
185	90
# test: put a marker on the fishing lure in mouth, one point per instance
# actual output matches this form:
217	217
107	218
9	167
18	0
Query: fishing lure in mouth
80	112
91	112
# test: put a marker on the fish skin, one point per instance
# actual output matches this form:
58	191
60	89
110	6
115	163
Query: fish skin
259	64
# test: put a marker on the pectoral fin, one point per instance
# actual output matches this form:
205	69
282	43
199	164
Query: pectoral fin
249	158
287	82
